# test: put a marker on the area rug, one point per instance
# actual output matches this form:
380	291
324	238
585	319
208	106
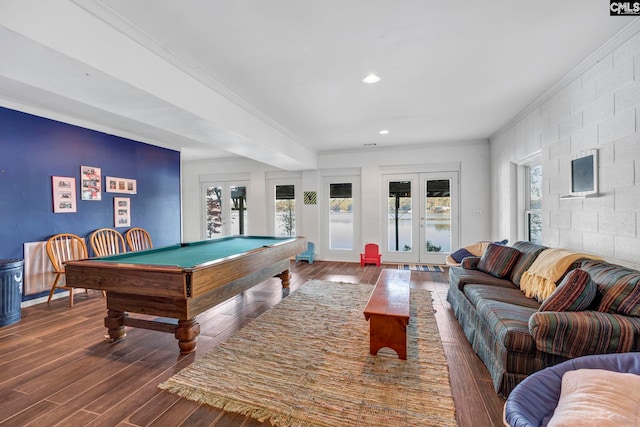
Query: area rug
306	362
421	267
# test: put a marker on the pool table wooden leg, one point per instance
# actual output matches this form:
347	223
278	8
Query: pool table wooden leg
187	333
284	277
115	324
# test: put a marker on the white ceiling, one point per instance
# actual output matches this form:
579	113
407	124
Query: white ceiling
279	81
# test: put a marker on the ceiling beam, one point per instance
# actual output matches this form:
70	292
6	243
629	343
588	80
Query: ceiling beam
63	49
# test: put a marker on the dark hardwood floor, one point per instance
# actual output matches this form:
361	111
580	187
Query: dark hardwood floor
56	369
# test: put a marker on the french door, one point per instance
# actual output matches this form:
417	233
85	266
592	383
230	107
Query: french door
421	216
225	208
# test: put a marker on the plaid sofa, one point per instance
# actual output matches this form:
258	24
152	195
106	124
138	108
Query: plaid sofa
514	338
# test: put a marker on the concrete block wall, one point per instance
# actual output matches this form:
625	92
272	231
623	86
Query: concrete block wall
598	107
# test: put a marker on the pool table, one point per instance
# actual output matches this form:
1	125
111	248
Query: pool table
181	281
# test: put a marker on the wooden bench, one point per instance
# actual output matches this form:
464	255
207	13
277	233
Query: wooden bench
388	312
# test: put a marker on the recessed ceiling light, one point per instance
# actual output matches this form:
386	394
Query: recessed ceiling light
371	78
370	144
383	132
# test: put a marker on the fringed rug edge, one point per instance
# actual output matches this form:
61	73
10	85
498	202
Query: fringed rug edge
232	405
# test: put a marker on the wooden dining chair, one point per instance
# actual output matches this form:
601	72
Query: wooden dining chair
107	241
138	239
60	249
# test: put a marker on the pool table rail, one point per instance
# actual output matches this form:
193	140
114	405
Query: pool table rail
137	279
207	279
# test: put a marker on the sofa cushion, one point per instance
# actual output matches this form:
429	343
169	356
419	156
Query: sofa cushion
528	253
509	323
476	293
575	293
618	288
461	277
498	260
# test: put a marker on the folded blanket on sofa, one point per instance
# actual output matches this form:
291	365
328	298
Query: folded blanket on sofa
540	280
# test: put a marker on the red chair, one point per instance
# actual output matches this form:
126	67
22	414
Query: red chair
370	255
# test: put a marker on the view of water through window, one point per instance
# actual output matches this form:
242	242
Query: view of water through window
434	221
438	229
340	216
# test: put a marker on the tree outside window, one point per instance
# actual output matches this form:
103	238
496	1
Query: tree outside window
285	214
533	210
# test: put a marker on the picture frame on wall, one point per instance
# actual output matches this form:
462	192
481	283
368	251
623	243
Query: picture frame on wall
121	185
64	194
90	183
121	212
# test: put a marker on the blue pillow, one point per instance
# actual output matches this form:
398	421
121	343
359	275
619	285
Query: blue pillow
460	254
502	242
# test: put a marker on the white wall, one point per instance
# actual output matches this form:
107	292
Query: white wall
471	157
597	108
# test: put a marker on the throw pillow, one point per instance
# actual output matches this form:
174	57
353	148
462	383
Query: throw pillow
470	262
597	397
498	260
575	293
622	297
460	254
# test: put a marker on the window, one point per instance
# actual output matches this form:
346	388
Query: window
238	209
213	211
285	210
225	209
533	203
399	216
340	216
438	215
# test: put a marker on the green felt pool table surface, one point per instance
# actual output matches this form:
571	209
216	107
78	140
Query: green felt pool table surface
189	255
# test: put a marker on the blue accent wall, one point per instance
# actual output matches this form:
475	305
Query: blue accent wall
33	149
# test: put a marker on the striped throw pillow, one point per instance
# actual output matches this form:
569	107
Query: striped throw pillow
575	293
623	297
498	260
618	288
470	262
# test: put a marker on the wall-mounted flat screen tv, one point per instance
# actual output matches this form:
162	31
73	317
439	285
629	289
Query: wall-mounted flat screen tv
584	174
